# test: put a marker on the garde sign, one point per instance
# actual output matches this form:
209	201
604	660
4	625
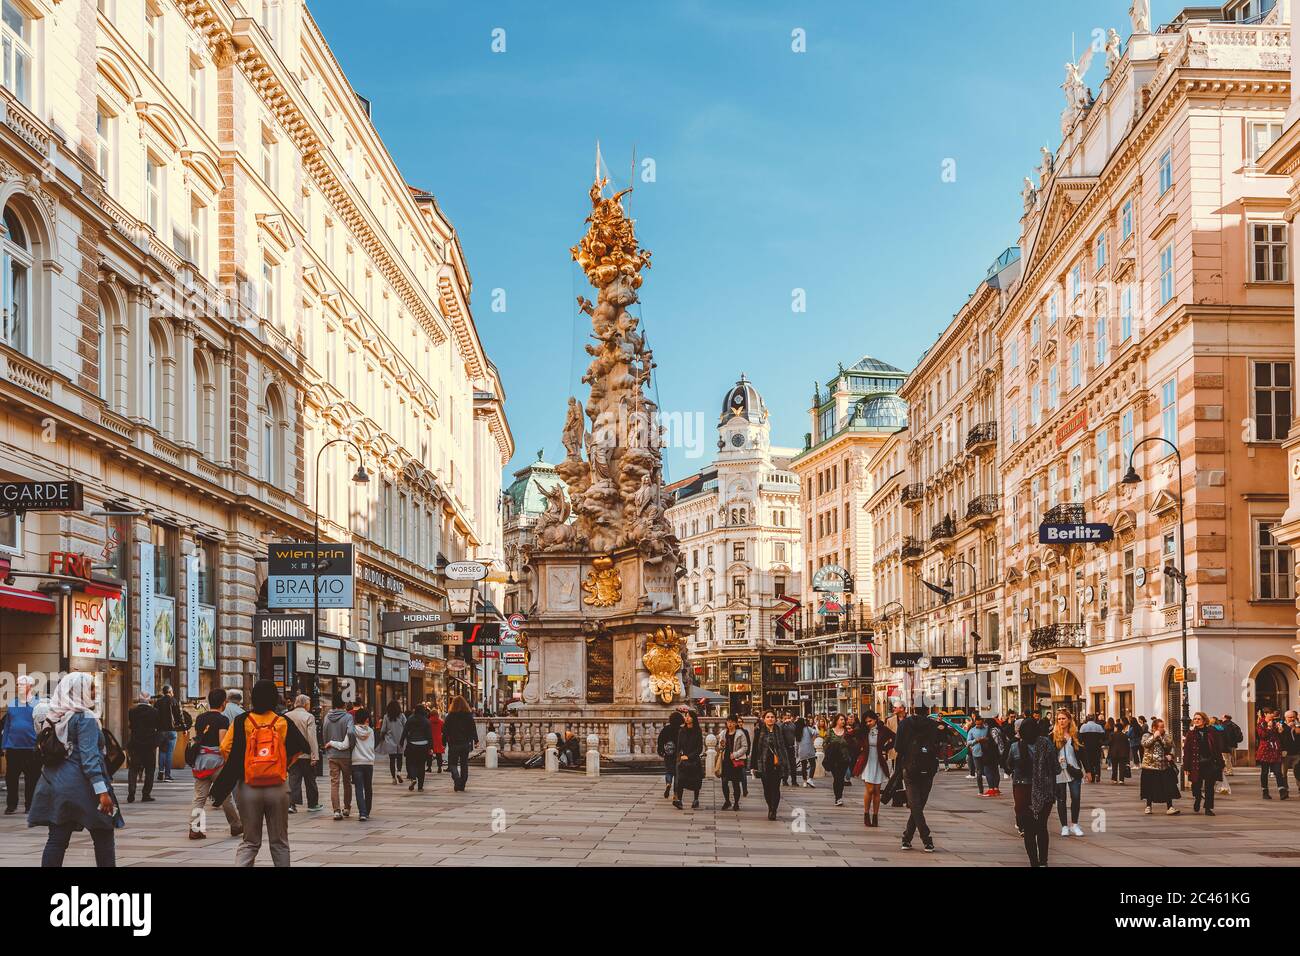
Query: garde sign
19	496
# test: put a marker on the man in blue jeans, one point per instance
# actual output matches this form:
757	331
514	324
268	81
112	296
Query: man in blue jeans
171	719
18	740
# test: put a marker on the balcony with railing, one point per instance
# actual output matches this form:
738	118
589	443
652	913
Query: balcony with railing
1052	637
982	437
983	508
943	530
912	549
912	494
1067	513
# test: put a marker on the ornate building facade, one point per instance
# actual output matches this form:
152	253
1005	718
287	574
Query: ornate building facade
738	522
1154	315
213	270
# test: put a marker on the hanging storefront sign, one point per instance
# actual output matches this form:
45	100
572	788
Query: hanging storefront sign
329	657
466	571
163	630
192	625
1044	666
904	658
20	496
146	618
948	662
283	627
1081	533
390	621
89	627
830	577
292	568
115	611
460	601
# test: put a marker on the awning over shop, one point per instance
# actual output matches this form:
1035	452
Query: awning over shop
701	693
33	602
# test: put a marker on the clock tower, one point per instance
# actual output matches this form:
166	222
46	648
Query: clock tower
743	427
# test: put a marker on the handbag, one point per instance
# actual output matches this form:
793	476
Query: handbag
114	755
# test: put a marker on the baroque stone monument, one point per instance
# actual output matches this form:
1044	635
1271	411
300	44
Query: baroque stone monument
605	638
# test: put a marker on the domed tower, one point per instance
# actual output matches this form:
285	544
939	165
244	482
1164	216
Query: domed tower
743	426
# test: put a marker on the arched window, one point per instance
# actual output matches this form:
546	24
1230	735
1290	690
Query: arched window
152	382
16	322
274	427
103	357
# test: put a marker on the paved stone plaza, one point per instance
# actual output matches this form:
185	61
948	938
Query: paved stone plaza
513	817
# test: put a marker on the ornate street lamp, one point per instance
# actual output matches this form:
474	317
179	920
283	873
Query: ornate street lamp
948	586
1131	477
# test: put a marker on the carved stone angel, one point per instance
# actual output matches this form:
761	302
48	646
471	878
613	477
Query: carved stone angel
574	432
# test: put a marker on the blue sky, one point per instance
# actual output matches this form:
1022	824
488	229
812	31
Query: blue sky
774	171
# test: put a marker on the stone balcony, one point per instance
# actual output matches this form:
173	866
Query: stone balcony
911	550
983	509
982	438
912	494
943	531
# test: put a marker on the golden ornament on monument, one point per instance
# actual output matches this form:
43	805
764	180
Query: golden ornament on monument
663	660
604	587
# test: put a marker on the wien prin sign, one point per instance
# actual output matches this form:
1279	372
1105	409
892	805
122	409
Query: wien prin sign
292	568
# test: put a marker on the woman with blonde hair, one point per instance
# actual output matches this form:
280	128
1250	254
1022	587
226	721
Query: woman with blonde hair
1069	777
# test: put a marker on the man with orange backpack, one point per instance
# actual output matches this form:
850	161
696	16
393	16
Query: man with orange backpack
258	748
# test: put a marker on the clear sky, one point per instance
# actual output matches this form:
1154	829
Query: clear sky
774	171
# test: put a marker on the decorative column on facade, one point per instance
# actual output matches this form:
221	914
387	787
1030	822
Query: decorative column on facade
237	577
185	428
221	406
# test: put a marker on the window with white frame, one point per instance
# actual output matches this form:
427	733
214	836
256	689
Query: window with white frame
1260	135
1126	221
1034	331
105	130
196	89
102	356
270	165
1076	477
1268	251
1103	459
16	308
1126	313
1052	310
1169	411
154	191
1169	581
1015	424
16	44
1015	352
1166	273
198	232
1099	244
11	533
1273	577
1076	281
1126	436
1053	388
1035	405
1130	583
1101	333
1076	365
1166	171
153	36
1271	402
270	283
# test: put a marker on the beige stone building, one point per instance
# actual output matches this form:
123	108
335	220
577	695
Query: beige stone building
851	416
738	524
212	269
1154	310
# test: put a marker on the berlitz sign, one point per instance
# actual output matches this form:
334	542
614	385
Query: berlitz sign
40	496
1074	533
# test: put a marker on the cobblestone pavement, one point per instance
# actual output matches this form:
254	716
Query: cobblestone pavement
514	817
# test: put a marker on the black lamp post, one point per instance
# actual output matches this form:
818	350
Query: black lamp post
948	586
361	478
1131	477
901	610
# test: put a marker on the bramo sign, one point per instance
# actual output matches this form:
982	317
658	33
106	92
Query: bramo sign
292	570
1075	533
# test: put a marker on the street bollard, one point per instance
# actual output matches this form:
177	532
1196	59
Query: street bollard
490	754
552	753
593	755
710	755
819	746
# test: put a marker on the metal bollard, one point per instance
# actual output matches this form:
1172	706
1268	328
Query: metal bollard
593	755
490	754
552	753
710	755
819	746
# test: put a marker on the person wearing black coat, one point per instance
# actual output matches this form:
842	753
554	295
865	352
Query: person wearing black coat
917	745
770	758
142	747
416	739
689	773
666	747
460	734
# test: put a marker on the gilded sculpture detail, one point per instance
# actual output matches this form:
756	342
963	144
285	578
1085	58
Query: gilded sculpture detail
663	659
604	587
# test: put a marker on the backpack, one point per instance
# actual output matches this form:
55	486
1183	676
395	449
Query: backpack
49	746
922	753
265	762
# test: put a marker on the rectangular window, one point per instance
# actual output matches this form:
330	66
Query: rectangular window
198	233
16	40
1053	388
1268	251
1103	460
1260	135
153	37
1076	365
269	299
1100	245
104	128
1130	585
1052	311
1169	582
1034	331
1166	273
1126	436
1015	353
1076	282
268	158
1271	400
196	89
11	533
1015	424
1101	341
1126	313
153	186
1035	406
1166	171
1273	572
1169	411
1126	221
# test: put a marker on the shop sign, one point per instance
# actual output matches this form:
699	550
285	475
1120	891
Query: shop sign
514	671
291	569
834	673
1084	533
1044	666
192	625
466	571
20	496
851	649
89	627
1116	668
1211	612
329	658
163	630
382	579
516	622
456	665
147	596
988	658
70	564
514	657
390	621
487	634
453	638
949	662
118	627
830	577
1072	426
904	658
282	627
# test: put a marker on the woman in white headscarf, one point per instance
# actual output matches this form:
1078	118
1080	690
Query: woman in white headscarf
76	792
